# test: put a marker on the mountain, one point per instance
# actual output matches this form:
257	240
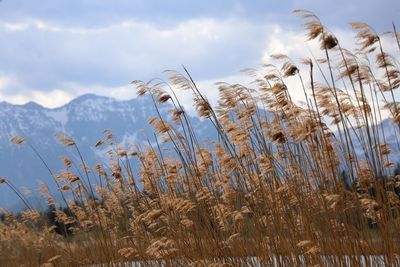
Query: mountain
391	137
84	119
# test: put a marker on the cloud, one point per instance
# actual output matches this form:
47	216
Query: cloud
100	13
51	52
93	13
294	45
339	13
45	57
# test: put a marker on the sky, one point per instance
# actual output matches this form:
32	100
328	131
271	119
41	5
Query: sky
52	51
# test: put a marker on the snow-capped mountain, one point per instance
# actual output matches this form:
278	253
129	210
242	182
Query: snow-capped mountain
84	119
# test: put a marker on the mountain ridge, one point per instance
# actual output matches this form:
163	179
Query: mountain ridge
84	119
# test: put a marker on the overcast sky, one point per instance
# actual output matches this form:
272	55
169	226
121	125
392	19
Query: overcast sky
54	50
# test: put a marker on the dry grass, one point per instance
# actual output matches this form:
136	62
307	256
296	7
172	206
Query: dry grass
273	185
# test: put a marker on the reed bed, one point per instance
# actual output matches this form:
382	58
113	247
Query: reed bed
282	184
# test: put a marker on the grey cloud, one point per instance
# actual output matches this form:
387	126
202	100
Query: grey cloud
339	13
93	13
109	43
46	57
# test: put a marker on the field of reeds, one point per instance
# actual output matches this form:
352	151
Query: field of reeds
282	185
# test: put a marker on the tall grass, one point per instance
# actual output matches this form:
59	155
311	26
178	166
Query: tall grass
284	183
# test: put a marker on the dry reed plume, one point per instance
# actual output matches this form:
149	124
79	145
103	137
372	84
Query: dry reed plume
283	184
